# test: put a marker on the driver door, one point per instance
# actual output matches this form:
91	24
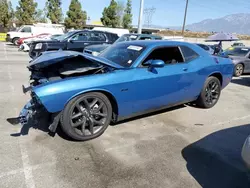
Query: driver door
155	87
78	42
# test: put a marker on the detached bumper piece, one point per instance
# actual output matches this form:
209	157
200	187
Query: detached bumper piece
30	110
26	89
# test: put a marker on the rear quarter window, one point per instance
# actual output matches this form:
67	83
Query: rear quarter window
188	53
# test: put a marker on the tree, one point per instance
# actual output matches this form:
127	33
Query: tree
54	11
26	11
120	11
127	18
40	16
109	15
76	17
6	13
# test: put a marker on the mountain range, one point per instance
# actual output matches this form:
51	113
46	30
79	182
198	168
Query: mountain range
234	23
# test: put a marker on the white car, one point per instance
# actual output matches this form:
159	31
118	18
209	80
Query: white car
246	152
25	46
35	29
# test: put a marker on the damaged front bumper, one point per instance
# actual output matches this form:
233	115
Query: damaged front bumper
31	109
34	111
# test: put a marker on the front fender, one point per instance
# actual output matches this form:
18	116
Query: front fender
55	96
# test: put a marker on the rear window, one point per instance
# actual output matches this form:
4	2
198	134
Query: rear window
188	53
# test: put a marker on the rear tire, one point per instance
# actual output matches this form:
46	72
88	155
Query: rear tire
238	70
210	93
86	116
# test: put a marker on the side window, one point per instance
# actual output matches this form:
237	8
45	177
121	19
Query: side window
80	37
188	53
98	37
205	47
26	30
145	38
170	55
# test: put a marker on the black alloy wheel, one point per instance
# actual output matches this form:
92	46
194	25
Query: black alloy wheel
210	93
87	116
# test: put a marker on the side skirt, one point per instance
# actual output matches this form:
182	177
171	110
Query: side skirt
121	118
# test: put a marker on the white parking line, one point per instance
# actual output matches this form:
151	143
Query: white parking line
27	168
229	121
5	52
29	180
21	170
9	73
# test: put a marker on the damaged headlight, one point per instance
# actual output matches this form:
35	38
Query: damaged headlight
38	46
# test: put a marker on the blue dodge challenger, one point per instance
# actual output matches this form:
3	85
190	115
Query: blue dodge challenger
84	93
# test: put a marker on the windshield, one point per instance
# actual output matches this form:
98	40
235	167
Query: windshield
122	54
62	37
237	51
126	38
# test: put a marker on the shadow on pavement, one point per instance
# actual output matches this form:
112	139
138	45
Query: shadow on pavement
215	160
41	121
245	81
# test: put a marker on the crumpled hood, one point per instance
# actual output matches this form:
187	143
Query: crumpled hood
52	57
97	48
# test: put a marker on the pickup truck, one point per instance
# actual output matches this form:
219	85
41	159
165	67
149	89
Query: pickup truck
73	40
32	30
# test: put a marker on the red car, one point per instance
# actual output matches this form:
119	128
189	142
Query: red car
20	41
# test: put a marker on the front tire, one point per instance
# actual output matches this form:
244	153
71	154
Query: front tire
86	116
210	93
14	40
238	70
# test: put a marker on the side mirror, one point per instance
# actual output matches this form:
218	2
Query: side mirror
157	63
70	40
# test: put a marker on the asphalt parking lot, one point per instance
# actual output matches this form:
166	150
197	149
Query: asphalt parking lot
180	147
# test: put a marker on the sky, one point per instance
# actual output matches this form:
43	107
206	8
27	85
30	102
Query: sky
167	12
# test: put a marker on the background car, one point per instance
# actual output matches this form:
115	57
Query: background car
246	152
25	46
31	30
241	59
74	40
87	92
96	49
21	40
206	47
237	44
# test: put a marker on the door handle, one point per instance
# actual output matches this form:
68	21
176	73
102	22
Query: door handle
185	69
86	43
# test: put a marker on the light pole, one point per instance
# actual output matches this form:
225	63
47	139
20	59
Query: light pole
184	21
140	17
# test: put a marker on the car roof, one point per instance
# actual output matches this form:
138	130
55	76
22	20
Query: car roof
201	44
142	35
89	30
155	43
